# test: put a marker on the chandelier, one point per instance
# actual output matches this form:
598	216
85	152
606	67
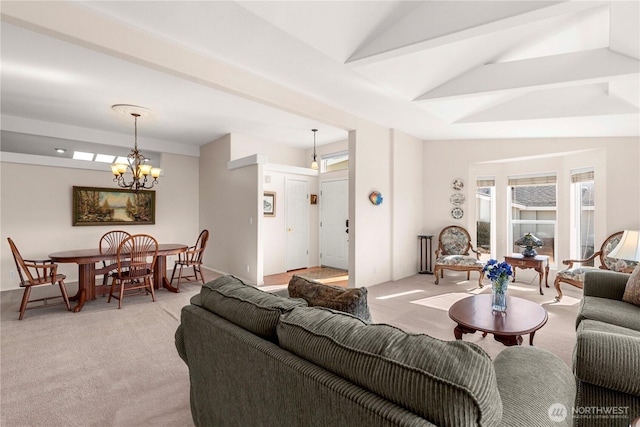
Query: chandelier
314	163
136	162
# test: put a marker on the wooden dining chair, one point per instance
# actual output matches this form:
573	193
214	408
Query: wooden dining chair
135	261
34	273
192	258
109	243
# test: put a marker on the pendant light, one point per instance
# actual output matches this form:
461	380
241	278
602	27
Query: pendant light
314	163
136	162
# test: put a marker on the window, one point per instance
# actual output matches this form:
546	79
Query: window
334	162
485	216
533	210
583	208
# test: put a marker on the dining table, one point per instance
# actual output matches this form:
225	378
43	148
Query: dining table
87	258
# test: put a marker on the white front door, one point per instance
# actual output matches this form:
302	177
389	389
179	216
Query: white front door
297	224
334	224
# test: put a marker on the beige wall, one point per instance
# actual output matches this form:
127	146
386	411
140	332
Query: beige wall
614	159
243	146
407	216
414	178
230	203
37	206
370	225
219	183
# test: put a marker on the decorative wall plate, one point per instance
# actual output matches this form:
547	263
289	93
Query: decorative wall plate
375	197
457	184
457	213
457	199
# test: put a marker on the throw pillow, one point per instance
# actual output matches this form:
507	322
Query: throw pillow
632	290
347	300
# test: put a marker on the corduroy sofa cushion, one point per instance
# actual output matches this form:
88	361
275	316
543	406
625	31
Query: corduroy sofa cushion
607	356
448	383
246	306
611	311
349	300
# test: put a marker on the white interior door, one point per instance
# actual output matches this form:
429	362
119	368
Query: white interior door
334	223
297	224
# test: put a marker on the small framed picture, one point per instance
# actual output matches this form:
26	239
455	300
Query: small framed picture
314	199
269	203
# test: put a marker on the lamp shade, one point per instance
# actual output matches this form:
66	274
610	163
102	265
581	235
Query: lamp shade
529	242
628	248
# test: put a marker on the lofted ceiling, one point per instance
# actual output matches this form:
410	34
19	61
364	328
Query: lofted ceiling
274	70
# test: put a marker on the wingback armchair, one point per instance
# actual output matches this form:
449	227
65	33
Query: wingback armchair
575	275
453	253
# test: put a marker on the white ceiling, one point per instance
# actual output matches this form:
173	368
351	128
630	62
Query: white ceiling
274	70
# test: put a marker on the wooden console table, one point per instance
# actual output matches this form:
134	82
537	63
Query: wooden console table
539	263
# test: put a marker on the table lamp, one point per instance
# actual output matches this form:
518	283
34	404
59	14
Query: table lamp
529	242
628	248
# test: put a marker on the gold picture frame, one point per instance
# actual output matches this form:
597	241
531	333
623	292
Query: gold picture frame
113	206
269	203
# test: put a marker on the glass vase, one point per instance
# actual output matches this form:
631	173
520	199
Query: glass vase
499	294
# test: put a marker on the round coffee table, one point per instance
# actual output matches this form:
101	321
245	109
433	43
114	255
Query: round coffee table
474	314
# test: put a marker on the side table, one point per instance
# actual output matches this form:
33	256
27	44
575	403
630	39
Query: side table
539	263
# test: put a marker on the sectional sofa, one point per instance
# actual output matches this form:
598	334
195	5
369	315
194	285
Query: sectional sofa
606	359
260	359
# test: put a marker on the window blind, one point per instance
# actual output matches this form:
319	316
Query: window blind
582	176
485	182
532	180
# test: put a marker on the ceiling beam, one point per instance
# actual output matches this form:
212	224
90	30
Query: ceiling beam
592	66
575	101
73	23
437	23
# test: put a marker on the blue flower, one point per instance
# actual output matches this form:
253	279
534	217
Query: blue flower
496	270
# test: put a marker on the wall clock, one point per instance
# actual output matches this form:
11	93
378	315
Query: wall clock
457	213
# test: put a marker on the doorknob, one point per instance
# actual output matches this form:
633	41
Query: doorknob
289	229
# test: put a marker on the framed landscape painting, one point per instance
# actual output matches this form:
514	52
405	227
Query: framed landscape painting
109	206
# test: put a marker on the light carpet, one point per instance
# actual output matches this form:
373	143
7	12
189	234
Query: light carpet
417	304
99	367
110	367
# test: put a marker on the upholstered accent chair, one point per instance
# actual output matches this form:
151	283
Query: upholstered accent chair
575	275
454	246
